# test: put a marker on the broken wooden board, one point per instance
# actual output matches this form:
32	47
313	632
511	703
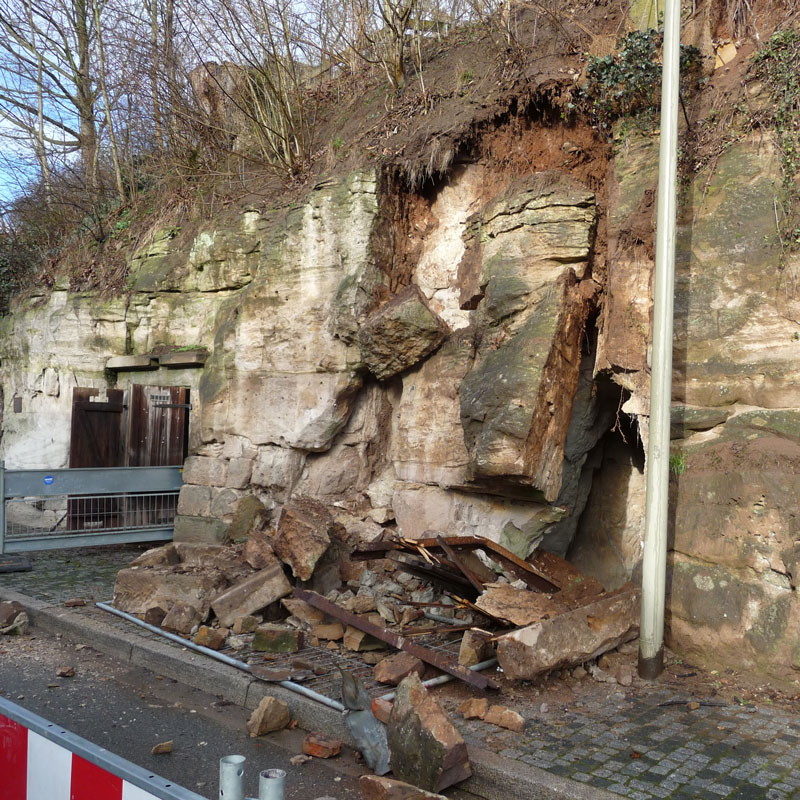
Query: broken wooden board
396	640
529	573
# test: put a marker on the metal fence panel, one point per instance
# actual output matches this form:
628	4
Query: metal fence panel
49	509
49	752
23	482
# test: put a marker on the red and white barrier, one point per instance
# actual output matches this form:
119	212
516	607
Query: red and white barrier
54	764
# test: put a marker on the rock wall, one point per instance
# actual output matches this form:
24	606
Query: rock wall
481	393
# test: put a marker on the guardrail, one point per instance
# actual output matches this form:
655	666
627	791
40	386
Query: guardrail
42	761
49	509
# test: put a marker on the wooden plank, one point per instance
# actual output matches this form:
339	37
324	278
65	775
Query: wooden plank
396	640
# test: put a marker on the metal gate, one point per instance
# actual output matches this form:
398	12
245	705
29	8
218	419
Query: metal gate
58	508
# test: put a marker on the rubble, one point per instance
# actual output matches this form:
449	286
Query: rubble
319	745
65	672
270	715
374	787
474	708
258	552
395	668
162	748
426	749
504	718
476	646
213	638
328	631
251	594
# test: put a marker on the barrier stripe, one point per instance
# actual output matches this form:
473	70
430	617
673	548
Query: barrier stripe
42	761
90	781
13	759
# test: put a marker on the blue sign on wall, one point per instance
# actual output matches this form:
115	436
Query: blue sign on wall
48	480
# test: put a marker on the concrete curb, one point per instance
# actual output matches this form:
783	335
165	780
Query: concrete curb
493	776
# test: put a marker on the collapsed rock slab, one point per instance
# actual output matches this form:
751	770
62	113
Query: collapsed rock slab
270	715
138	589
258	552
250	516
400	334
303	535
374	787
426	749
474	708
518	607
573	637
251	594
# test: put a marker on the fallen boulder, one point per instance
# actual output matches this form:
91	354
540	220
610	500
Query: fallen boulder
251	594
573	637
270	715
182	618
303	535
426	749
400	334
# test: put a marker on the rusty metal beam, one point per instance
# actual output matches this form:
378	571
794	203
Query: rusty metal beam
400	642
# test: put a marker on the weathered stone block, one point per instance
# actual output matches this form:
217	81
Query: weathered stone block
474	708
426	749
251	594
199	529
205	471
239	472
224	502
400	334
476	646
250	515
573	637
194	501
277	639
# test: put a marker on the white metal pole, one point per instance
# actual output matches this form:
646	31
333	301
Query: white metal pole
654	565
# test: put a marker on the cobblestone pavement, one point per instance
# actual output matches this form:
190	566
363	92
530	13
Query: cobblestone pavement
643	741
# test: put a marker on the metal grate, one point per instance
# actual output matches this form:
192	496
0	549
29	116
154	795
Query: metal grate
326	663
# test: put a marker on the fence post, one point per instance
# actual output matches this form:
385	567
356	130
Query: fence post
2	507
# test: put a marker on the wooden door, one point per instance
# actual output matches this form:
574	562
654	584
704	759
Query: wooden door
95	441
159	419
158	422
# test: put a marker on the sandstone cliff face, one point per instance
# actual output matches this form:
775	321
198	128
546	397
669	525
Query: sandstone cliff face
479	399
